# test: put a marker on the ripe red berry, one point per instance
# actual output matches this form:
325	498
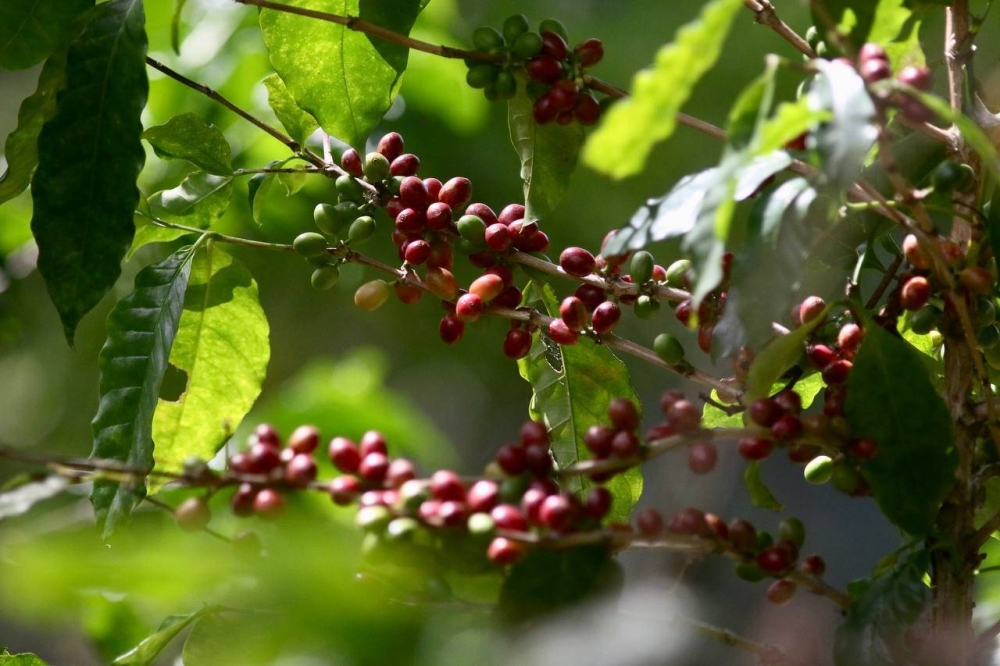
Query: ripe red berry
373	468
684	416
451	329
577	261
410	222
873	71
482	496
498	237
574	313
814	565
606	316
755	448
543	110
391	146
774	560
561	333
624	444
589	295
683	311
469	308
517	343
413	193
849	339
438	216
404	165
456	192
764	412
505	551
268	503
539	459
717	526
344	489
512	459
417	252
534	432
623	414
352	164
483	212
743	536
789	401
452	513
400	471
509	517
563	94
820	355
649	522
872	51
373	442
597	503
590	52
586	109
915	293
702	457
304	439
554	45
265	434
510	297
780	592
668	398
447	485
918	77
557	512
837	372
531	502
787	428
689	521
811	308
301	469
598	440
863	449
263	458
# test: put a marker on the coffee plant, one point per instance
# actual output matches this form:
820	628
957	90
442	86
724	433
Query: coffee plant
827	292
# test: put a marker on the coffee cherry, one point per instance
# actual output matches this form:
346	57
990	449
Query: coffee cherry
561	333
376	167
914	253
373	468
508	298
820	355
351	162
390	146
300	470
344	454
750	572
266	434
325	277
404	165
268	503
872	51
193	514
263	458
845	478
512	459
310	244
598	440
837	372
433	187
787	428
590	296
447	485
505	551
624	444
623	414
545	69
498	237
873	71
451	329
678	274
977	280
811	308
557	513
511	213
408	293
774	560
915	293
863	449
456	192
441	283
304	439
417	252
780	592
373	441
590	52
684	416
649	522
562	95
849	339
534	433
668	348
538	459
742	536
755	448
517	343
819	470
918	77
372	295
689	521
531	502
813	566
792	530
344	490
327	219
702	457
509	517
606	316
527	45
641	267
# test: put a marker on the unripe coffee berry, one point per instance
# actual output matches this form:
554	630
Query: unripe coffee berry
641	267
325	277
819	470
310	244
442	283
372	295
668	348
376	167
193	514
487	287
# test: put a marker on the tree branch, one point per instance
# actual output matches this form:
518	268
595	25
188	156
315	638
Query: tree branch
766	15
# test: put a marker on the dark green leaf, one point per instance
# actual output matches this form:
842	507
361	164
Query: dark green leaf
760	494
574	395
299	124
343	78
175	26
548	154
188	137
90	154
146	652
15	501
630	129
775	359
21	148
844	141
891	399
222	347
141	332
547	580
877	631
32	29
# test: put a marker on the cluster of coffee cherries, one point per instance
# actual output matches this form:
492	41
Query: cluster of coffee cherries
873	66
556	73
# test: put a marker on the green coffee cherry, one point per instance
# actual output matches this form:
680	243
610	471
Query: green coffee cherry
310	244
361	229
490	93
554	25
951	176
988	337
325	277
750	572
465	246
668	348
792	529
394	183
924	320
402	529
482	75
515	26
986	312
992	356
472	228
505	85
372	518
677	273
764	540
641	267
646	307
486	38
326	218
845	478
527	45
819	470
376	167
349	188
481	524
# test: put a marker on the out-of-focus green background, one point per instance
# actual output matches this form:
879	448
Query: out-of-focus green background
446	404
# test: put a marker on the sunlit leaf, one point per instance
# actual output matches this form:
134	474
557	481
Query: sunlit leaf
222	346
760	494
775	359
188	137
89	155
299	124
844	140
149	649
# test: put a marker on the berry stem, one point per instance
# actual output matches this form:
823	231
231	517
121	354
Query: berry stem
768	654
766	15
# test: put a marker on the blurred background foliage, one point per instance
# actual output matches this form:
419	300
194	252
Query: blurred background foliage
349	371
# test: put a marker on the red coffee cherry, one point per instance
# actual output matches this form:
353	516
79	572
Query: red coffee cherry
914	253
512	459
587	110
301	470
788	400
717	526
263	458
469	308
483	212
510	213
774	560
534	432
820	355
351	162
417	252
873	71
811	308
598	440
404	165
577	261
849	339
649	522
545	69
563	94
498	237
531	502
391	146
411	222
451	329
505	551
787	428
268	503
554	45
590	295
508	298
590	52
413	193
457	192
574	313
764	412
344	490
702	457
517	343
689	521
400	471
780	592
624	444
509	517
755	448
447	485
561	333
438	216
606	316
304	439
597	503
539	459
915	293
344	454
669	398
684	416
557	513
487	287
837	372
743	536
920	78
872	51
863	449
482	496
543	110
373	468
813	566
265	434
623	414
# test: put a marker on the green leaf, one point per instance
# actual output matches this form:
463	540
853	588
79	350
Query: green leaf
22	659
198	201
548	154
21	147
175	26
32	29
231	639
18	500
630	129
790	120
776	358
713	417
897	28
147	651
853	19
891	399
90	155
222	347
760	495
141	331
299	124
972	134
547	580
879	623
188	137
344	79
571	388
844	141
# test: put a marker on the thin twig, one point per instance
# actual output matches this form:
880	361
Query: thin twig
768	654
887	278
766	15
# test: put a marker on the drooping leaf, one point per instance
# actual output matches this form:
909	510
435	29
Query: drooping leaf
547	580
760	494
571	387
141	331
198	202
19	499
175	26
149	649
32	29
630	129
21	147
222	347
188	137
891	399
879	620
775	359
89	155
843	142
548	154
344	79
299	124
